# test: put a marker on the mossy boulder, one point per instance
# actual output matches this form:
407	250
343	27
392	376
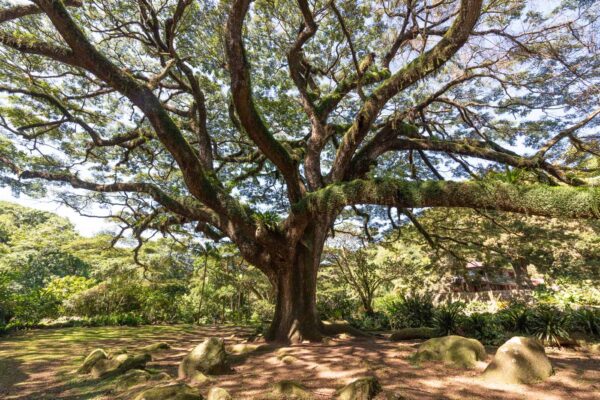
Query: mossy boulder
119	365
179	391
133	378
360	389
200	379
413	333
244	348
209	357
290	390
91	360
155	347
217	393
161	376
454	350
520	360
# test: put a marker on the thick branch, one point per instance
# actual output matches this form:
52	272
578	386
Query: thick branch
241	89
550	201
419	68
9	14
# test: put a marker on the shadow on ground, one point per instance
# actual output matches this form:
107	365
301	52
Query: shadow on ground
40	365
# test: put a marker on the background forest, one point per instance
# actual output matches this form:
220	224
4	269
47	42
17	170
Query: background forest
51	276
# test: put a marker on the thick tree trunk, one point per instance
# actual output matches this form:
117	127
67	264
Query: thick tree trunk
522	277
296	318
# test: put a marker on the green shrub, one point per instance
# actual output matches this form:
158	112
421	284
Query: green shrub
336	306
484	327
372	322
263	311
550	324
587	320
407	311
515	318
447	318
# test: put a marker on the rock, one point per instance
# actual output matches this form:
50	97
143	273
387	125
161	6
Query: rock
290	389
179	391
282	352
288	359
217	393
119	365
519	360
413	333
200	379
455	350
132	378
155	347
361	389
209	357
594	348
116	352
161	376
91	360
244	348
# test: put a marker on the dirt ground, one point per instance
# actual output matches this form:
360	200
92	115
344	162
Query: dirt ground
40	364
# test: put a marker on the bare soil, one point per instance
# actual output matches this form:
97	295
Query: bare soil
41	364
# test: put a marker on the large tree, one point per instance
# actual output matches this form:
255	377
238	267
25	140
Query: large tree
263	122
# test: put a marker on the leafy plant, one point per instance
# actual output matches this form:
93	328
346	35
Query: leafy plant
587	320
550	324
415	310
447	318
482	326
372	322
516	318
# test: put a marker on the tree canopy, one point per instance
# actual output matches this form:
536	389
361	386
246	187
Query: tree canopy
264	122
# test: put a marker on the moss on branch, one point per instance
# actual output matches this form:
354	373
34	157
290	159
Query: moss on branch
534	199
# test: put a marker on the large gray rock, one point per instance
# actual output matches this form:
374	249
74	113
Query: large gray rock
454	350
119	365
520	360
91	360
209	357
179	391
360	389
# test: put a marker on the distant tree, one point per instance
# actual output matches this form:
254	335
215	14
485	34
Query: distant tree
559	248
262	121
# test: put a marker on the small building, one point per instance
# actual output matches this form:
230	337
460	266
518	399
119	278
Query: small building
479	278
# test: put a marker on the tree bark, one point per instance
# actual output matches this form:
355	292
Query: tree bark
296	318
522	277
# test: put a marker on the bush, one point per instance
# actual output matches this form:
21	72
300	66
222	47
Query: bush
263	312
587	320
483	327
336	306
372	322
408	311
124	319
550	324
447	318
515	318
584	293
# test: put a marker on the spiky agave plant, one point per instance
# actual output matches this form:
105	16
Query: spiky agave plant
447	318
550	324
587	320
